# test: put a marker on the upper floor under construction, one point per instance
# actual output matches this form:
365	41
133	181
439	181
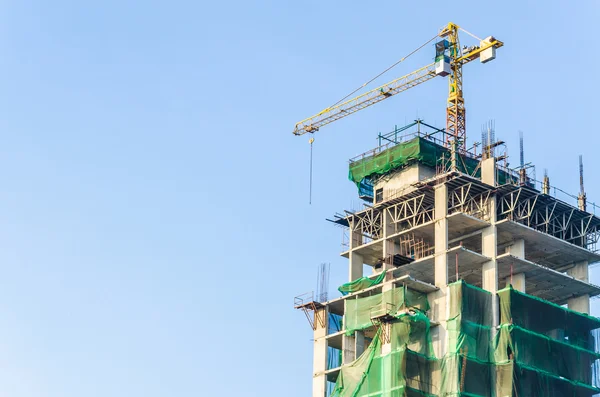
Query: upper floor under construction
441	223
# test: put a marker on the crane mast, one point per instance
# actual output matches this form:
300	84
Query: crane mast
449	60
456	126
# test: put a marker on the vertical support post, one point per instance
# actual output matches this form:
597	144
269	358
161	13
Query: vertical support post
389	250
438	299
389	247
580	271
355	263
489	247
517	249
355	271
489	239
582	303
348	344
320	355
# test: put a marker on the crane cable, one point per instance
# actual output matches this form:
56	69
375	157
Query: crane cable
311	140
385	71
471	34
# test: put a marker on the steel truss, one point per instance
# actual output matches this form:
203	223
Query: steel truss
548	215
367	224
466	200
410	213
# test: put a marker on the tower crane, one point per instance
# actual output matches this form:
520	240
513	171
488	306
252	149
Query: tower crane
449	60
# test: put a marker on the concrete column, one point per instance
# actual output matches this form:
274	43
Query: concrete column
438	299
518	282
488	171
489	241
355	261
359	343
517	249
352	347
355	271
389	247
441	235
320	356
355	266
582	303
488	248
349	346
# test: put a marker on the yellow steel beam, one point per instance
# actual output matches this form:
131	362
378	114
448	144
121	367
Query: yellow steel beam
329	115
471	56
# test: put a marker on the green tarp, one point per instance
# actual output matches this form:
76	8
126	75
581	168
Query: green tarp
360	284
360	311
400	155
406	153
539	354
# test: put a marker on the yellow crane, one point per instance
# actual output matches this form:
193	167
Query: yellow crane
449	60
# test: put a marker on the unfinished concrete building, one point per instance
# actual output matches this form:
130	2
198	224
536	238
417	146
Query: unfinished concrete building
477	282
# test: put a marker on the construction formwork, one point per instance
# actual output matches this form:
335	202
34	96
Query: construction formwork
479	284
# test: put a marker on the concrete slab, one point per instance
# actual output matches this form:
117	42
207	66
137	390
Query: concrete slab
336	306
543	248
461	224
372	252
544	282
414	284
469	266
335	340
424	231
332	374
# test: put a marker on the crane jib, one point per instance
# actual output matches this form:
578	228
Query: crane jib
450	53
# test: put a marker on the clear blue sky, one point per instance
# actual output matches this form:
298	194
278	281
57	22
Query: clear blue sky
154	217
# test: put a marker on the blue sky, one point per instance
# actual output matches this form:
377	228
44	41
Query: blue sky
154	209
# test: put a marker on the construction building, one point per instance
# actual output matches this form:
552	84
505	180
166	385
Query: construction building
477	281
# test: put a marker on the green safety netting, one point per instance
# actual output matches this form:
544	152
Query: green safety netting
409	367
406	153
409	361
466	368
547	318
360	311
544	349
360	284
539	349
